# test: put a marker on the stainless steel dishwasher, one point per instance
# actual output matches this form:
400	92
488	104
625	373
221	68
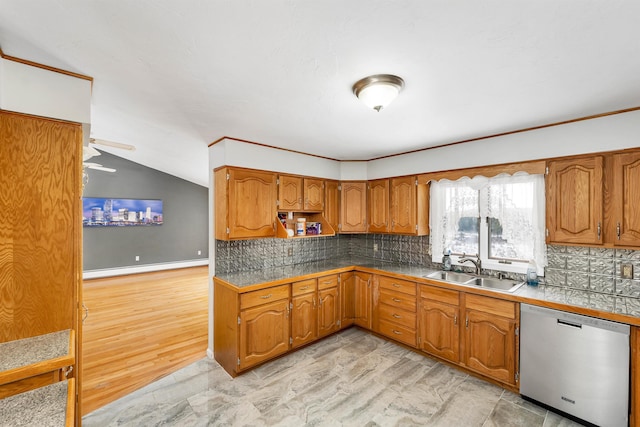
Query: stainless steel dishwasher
576	364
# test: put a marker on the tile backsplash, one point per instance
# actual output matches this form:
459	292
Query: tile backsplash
580	268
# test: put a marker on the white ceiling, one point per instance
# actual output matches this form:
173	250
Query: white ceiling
172	76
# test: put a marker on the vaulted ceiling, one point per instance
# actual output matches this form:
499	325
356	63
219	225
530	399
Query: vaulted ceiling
172	76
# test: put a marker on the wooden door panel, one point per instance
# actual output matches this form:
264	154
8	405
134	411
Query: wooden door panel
403	205
490	346
264	332
347	299
353	207
378	213
439	330
575	200
363	300
252	207
290	193
304	319
313	194
328	311
332	203
626	196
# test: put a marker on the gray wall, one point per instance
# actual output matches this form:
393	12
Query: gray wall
184	231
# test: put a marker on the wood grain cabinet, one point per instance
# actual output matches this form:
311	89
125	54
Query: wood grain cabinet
329	305
624	217
296	193
592	200
264	325
395	309
378	205
304	312
245	203
490	337
332	203
353	207
439	319
363	300
575	200
347	299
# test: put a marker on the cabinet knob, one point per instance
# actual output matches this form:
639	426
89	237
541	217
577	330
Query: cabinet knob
265	296
397	316
395	299
397	332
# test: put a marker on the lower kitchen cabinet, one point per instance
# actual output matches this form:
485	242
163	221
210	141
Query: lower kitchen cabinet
347	299
362	299
328	305
491	326
304	312
439	315
395	309
264	332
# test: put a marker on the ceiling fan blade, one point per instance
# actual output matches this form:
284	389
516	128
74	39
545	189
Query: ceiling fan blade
112	144
89	152
98	167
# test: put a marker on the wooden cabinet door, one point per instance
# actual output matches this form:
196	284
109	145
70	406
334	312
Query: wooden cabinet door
490	345
439	329
363	297
251	203
313	194
328	311
304	319
353	207
347	298
575	201
625	197
378	212
403	205
289	193
332	203
264	332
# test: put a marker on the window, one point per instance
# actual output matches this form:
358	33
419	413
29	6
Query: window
501	219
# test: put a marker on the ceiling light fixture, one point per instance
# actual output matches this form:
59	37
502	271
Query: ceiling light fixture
378	91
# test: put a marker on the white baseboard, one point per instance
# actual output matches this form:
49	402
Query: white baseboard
121	271
210	353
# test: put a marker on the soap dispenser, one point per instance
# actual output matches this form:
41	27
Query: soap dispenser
532	274
446	260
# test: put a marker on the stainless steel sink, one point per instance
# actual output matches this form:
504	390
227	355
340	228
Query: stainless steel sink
493	283
450	276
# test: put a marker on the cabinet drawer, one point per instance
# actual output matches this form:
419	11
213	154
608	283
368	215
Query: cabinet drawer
263	296
401	317
494	306
398	333
303	287
398	285
326	282
446	296
398	300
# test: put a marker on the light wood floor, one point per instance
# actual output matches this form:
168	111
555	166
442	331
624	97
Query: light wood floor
141	328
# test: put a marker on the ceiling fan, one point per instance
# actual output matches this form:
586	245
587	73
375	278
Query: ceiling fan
89	151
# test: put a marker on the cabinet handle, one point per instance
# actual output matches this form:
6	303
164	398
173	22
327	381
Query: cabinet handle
287	311
466	322
397	332
618	231
397	316
86	312
455	319
327	282
304	288
265	296
314	302
395	299
599	230
395	285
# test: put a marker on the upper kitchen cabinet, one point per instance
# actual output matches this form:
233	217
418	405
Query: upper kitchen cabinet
332	203
409	206
300	194
353	207
621	211
575	200
245	203
378	206
592	200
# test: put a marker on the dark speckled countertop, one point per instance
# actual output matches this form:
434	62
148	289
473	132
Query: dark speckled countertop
613	307
43	407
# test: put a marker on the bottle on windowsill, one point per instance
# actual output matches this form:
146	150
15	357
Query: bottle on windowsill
532	274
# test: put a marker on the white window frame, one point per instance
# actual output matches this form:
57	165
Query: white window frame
478	183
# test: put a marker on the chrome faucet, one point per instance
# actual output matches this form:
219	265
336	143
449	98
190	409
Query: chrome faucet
476	262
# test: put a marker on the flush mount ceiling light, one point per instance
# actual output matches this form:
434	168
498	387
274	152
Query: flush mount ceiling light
379	90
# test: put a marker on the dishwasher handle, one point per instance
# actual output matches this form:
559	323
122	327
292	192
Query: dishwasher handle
567	323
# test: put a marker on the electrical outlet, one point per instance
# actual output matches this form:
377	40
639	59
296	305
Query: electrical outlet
375	247
626	271
199	252
137	257
290	252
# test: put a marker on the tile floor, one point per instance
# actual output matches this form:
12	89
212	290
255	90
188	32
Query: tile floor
349	379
